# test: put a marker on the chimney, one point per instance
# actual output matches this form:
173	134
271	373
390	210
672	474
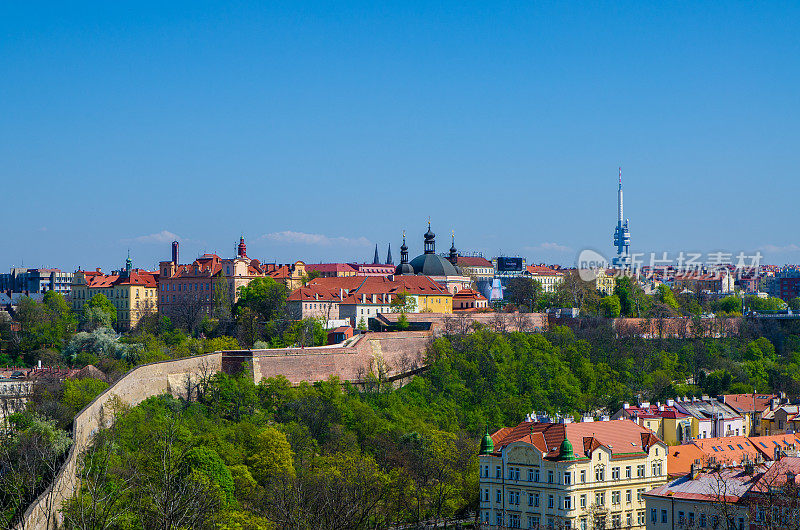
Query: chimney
626	406
175	252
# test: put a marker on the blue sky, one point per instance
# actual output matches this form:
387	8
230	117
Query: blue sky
320	129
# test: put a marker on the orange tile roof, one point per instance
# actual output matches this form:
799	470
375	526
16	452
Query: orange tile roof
543	271
766	445
681	457
474	261
621	437
748	402
468	294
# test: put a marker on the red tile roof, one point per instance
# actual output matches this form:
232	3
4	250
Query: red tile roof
748	402
473	261
621	437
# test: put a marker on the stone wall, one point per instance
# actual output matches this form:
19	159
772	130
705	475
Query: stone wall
388	354
393	355
133	388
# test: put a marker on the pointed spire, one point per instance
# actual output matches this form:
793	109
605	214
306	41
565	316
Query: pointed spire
403	257
453	251
430	240
376	259
389	260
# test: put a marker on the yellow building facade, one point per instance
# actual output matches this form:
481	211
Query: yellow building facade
133	292
574	476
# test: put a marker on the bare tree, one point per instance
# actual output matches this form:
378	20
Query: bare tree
522	322
189	312
171	498
105	485
498	323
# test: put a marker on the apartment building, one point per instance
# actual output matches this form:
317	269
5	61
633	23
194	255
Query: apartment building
586	475
547	277
133	292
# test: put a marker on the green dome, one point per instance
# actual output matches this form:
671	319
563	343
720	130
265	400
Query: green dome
566	452
487	445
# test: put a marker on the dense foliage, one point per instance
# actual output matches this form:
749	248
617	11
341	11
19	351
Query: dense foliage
335	455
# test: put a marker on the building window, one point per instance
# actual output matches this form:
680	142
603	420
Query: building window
628	496
614	473
536	500
681	518
549	477
513	520
530	499
639	493
615	497
583	501
600	498
583	476
663	516
550	502
599	474
498	471
568	503
513	498
499	497
567	478
486	495
530	475
691	518
640	470
702	520
533	522
640	518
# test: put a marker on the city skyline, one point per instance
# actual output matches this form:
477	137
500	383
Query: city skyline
127	128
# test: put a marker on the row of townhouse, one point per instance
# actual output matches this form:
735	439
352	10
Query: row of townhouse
752	496
566	475
680	420
358	298
730	451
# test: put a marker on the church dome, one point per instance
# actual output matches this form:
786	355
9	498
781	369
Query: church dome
487	444
565	452
404	268
433	265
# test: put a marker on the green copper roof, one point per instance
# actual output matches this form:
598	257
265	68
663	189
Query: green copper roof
565	451
487	445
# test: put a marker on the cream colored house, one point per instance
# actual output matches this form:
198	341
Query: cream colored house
569	475
548	278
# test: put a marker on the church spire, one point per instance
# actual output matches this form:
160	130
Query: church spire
389	260
404	250
376	260
430	240
453	252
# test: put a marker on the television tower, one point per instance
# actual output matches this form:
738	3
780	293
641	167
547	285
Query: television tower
622	236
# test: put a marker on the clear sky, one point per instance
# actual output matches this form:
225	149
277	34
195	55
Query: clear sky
320	129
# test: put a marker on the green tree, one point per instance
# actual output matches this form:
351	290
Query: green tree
667	297
263	296
403	303
80	392
273	457
99	312
523	292
610	306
